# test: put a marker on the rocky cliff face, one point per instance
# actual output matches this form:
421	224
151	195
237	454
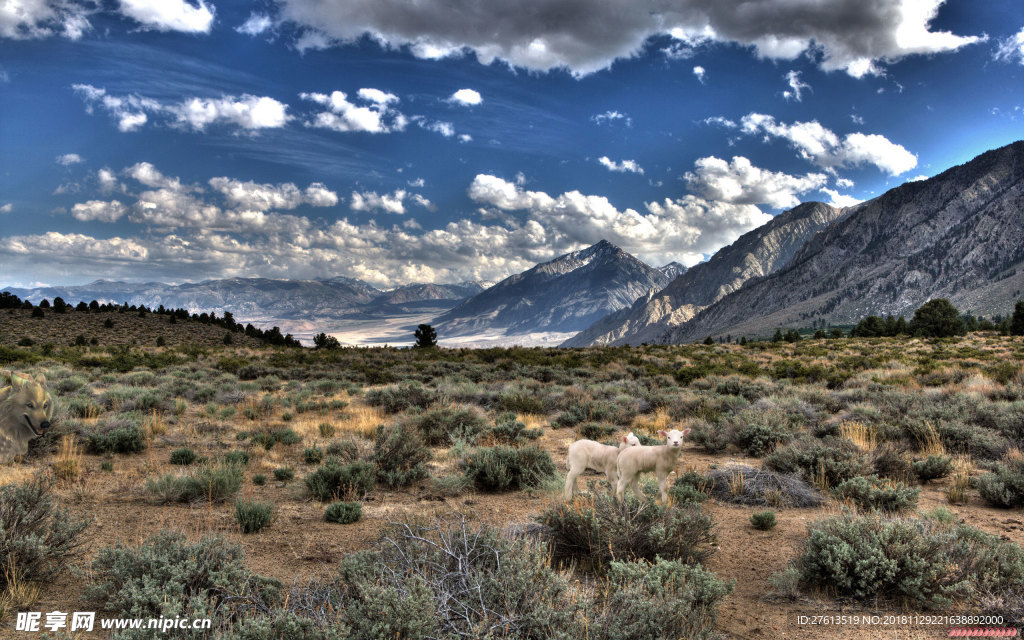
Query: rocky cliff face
755	254
959	235
563	295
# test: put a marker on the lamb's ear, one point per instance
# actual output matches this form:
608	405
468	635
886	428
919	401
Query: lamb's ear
685	431
41	379
663	433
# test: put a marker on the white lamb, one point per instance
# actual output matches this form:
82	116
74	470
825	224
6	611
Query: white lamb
587	454
660	459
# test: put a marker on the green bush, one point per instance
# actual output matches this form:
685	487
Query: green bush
183	456
212	483
1004	487
37	539
441	427
120	439
284	474
334	479
932	467
343	512
763	520
399	454
253	515
596	530
504	468
917	562
875	493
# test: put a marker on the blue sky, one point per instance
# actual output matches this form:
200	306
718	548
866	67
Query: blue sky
451	140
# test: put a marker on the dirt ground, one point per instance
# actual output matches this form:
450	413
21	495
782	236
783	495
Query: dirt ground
300	543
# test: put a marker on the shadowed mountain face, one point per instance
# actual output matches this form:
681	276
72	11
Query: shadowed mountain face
260	299
959	235
755	254
563	295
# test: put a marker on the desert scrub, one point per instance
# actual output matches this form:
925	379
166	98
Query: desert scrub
1004	487
918	562
875	493
253	515
824	463
595	530
167	576
505	468
663	599
37	540
441	427
400	397
399	454
760	487
343	512
334	479
183	456
211	483
763	520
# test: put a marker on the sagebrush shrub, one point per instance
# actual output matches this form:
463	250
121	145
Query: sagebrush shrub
505	468
343	512
253	515
37	540
334	479
399	454
595	530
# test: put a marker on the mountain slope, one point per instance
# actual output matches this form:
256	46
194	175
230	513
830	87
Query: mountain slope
563	295
755	254
959	235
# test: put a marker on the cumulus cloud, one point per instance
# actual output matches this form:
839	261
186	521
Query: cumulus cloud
99	210
28	19
1011	49
132	111
466	97
586	37
611	116
837	199
796	87
626	166
170	15
69	159
374	115
740	182
255	24
826	149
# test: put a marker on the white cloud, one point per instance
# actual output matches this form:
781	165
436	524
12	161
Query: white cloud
739	182
170	15
587	37
69	159
825	149
611	116
796	87
837	199
28	19
256	24
99	210
7	208
1011	48
700	72
466	97
376	116
132	111
626	166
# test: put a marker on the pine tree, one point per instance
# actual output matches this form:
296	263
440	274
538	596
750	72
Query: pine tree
426	337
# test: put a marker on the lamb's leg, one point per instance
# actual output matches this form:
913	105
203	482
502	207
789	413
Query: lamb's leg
570	482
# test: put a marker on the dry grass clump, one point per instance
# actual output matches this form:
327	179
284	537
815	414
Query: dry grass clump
759	487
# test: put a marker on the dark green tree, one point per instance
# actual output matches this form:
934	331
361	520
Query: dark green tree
1017	321
937	318
324	341
426	337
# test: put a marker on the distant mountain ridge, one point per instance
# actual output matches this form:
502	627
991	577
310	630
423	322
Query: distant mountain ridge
563	295
958	235
755	254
